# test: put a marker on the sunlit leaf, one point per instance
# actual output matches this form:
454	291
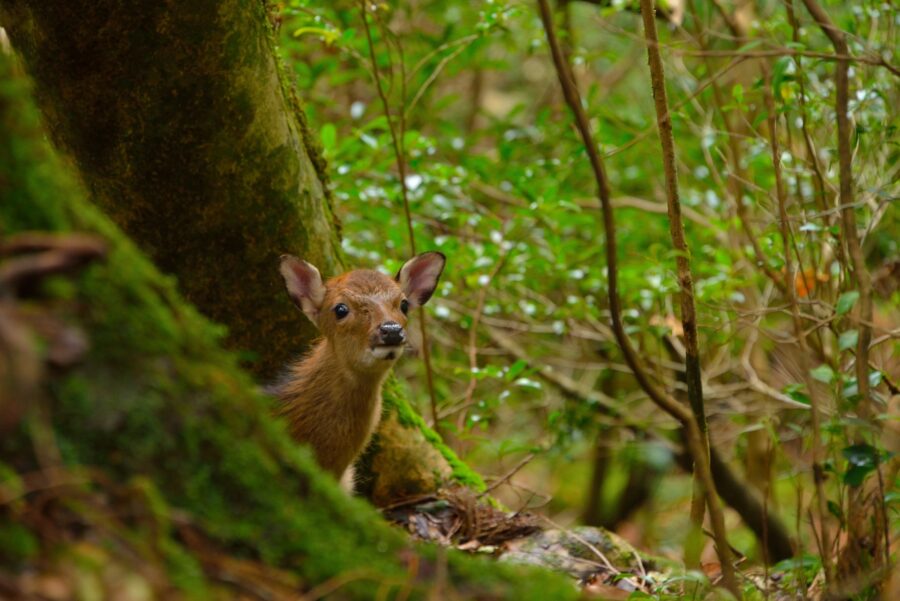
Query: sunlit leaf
823	373
848	339
845	302
515	369
863	458
329	136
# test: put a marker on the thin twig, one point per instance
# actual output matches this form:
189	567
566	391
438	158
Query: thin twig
603	559
505	477
845	169
341	580
676	230
857	522
400	156
735	492
875	61
437	71
47	478
737	182
473	335
656	394
815	402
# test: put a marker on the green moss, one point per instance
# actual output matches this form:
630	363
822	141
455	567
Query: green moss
313	148
158	403
198	123
289	90
395	400
184	570
17	543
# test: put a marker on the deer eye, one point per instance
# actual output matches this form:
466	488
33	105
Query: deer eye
404	306
341	310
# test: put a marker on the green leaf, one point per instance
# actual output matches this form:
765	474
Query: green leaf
855	475
862	459
846	302
528	383
780	75
328	35
851	386
796	392
491	371
823	373
848	339
515	369
835	510
875	378
329	136
808	563
860	454
760	118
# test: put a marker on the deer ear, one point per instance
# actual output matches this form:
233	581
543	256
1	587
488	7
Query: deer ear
304	285
419	276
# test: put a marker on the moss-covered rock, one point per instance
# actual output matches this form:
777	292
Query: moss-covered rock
158	405
406	458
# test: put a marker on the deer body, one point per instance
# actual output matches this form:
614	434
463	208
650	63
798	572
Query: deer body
333	409
332	396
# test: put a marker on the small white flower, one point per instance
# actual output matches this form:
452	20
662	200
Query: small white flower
413	181
357	109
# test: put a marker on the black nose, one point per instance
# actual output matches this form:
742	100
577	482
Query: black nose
392	333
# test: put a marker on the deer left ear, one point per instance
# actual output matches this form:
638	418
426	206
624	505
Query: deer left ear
419	276
304	285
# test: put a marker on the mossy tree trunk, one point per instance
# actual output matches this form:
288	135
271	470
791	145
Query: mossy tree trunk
165	435
190	137
182	126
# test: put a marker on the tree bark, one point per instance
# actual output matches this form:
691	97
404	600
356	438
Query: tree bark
188	134
170	460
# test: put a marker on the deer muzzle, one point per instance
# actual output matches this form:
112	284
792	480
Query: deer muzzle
391	334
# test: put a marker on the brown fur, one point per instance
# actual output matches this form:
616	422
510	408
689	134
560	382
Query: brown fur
332	396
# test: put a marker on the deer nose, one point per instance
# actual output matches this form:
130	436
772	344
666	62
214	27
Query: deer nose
392	333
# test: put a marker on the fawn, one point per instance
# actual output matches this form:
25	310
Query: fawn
332	396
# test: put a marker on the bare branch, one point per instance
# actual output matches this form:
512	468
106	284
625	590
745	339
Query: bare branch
656	394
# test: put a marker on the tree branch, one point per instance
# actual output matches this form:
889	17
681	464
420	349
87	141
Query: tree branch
400	157
759	519
791	291
858	524
656	394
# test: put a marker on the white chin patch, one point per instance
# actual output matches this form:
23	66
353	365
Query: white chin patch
387	352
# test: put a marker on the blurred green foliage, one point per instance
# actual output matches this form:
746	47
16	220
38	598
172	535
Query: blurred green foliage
498	180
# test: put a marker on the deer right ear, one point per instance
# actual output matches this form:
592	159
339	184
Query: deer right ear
419	276
304	285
